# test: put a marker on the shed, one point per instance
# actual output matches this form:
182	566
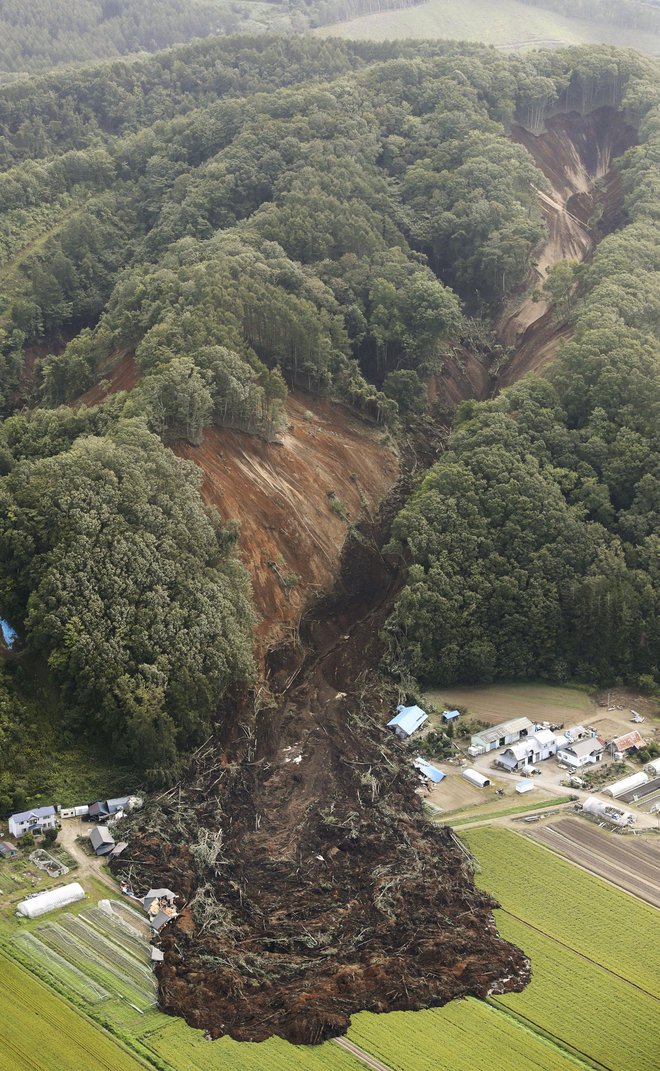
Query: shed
160	919
98	811
157	955
102	840
50	900
626	742
508	732
427	770
407	721
524	786
119	848
151	901
627	784
450	715
476	778
7	851
653	768
9	634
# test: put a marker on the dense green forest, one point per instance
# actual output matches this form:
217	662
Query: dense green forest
250	215
36	35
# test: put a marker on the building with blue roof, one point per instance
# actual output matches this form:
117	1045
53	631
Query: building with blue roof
451	715
407	721
9	634
427	770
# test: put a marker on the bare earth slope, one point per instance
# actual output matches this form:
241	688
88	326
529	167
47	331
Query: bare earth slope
575	154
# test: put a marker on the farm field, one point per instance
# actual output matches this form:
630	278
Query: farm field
584	913
633	865
503	23
498	702
42	1032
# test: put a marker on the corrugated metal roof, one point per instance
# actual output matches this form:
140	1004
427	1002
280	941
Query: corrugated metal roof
449	715
506	728
408	718
428	770
628	740
584	747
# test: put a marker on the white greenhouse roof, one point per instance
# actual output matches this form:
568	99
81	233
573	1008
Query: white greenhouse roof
51	899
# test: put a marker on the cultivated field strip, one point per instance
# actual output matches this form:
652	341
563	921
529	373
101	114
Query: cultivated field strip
630	864
61	969
41	1032
99	959
602	923
599	1017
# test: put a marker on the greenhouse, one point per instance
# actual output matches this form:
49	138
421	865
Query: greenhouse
49	900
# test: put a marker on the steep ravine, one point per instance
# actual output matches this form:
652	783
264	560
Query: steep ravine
311	885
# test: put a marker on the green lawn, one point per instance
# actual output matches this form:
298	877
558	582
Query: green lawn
503	23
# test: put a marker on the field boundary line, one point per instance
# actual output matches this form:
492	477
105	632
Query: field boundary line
552	1039
527	835
361	1054
582	955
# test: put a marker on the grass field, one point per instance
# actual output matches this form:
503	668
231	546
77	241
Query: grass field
494	703
506	24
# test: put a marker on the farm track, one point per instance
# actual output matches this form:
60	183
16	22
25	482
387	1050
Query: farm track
633	867
360	1054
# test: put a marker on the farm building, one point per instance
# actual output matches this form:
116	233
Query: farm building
476	778
34	821
49	900
427	770
103	810
7	851
407	721
653	768
450	715
524	786
627	742
509	732
534	749
102	840
606	813
582	753
9	634
75	812
627	784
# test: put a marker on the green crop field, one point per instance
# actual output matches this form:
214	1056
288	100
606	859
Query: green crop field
602	923
41	1032
503	23
464	1036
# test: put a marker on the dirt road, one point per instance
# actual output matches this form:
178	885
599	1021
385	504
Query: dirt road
633	865
364	1057
88	865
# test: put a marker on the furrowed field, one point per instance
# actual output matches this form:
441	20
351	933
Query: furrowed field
591	1003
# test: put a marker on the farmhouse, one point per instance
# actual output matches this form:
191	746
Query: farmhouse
582	753
7	851
104	810
102	840
407	721
509	732
534	749
34	821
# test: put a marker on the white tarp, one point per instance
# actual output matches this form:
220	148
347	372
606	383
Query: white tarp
51	899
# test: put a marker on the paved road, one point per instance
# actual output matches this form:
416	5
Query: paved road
631	864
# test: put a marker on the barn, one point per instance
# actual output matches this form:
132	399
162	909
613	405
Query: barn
407	721
509	732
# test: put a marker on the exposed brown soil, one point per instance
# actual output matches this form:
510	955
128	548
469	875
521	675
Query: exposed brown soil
583	203
121	374
294	499
310	885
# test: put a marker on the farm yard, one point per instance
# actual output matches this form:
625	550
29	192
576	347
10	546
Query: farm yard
507	24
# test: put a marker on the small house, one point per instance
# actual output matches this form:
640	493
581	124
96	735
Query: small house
428	771
102	840
7	851
450	716
407	721
508	732
34	821
583	752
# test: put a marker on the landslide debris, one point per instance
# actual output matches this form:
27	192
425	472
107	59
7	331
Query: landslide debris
311	885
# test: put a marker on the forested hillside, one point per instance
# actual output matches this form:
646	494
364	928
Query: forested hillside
243	217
